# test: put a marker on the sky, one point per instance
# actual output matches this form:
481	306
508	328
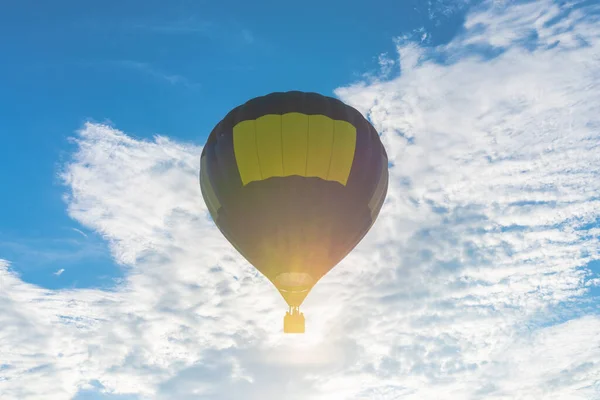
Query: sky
480	278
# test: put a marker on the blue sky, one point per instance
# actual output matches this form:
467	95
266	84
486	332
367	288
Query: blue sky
481	277
151	68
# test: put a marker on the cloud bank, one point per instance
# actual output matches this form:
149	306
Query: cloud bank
474	283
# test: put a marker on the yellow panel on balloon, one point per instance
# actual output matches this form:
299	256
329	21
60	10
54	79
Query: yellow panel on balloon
294	144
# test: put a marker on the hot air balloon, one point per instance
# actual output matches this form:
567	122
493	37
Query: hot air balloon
294	181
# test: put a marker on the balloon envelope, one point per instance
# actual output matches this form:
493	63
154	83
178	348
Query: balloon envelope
294	181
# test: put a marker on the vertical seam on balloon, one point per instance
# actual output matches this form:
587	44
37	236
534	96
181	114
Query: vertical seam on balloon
307	143
281	141
331	151
256	146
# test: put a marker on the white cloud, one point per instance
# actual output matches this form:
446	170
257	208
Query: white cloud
471	284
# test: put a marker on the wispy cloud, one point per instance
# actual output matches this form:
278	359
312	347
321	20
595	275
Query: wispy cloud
459	291
144	69
80	232
230	33
52	250
155	72
248	36
189	25
59	272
